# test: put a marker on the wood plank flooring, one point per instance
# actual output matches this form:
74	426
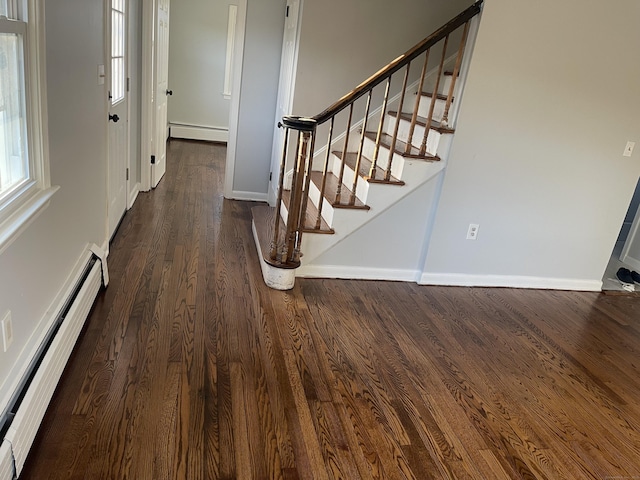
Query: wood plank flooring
190	368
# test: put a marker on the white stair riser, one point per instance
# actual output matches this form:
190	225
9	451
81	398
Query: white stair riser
433	139
445	84
362	188
327	207
425	105
398	160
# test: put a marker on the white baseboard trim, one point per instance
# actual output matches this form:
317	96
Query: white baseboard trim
356	273
510	281
195	132
133	195
248	196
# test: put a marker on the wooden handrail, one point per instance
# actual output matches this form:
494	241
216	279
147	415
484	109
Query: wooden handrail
398	63
285	247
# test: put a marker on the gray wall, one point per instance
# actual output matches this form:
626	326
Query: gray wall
197	54
260	76
343	43
551	100
35	267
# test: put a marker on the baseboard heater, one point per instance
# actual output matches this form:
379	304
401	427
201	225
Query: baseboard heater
199	132
21	419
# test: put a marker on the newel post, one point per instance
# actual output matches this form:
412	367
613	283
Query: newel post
290	254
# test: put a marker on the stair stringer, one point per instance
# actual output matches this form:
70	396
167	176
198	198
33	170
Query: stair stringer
389	246
380	198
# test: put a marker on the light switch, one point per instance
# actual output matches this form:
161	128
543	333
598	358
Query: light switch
628	150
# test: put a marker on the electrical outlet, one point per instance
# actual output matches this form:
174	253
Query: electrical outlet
7	331
472	233
628	150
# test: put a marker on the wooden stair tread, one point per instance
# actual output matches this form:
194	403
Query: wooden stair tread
365	167
439	96
422	121
401	147
331	190
311	217
264	221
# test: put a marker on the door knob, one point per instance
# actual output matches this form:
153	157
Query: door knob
169	92
114	118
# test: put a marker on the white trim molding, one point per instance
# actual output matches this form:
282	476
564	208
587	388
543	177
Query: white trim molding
133	195
357	273
509	281
16	223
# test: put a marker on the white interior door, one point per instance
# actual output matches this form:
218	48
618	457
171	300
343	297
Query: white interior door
288	64
161	91
118	114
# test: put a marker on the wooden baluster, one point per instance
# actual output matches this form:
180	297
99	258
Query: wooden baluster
344	155
414	117
295	204
356	172
307	184
394	139
456	71
273	253
434	96
383	114
325	169
290	227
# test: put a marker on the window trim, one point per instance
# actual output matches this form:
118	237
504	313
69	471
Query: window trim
35	194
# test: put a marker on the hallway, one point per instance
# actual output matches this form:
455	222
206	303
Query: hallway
189	367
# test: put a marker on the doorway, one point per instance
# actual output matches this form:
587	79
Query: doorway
154	127
626	252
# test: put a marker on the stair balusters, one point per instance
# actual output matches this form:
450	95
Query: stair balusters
286	241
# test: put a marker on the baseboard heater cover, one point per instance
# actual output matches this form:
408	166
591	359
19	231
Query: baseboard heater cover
6	461
197	132
36	395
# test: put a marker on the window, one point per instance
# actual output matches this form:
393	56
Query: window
24	182
117	51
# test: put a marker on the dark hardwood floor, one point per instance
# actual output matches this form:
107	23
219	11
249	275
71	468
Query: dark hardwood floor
190	368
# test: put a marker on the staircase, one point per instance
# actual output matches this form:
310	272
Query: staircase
330	193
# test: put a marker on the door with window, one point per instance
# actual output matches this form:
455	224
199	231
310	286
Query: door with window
161	55
118	111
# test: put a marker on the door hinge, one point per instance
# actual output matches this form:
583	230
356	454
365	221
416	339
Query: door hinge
270	176
127	174
287	14
110	96
153	159
128	84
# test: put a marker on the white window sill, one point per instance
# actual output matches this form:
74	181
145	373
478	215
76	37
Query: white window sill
14	225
